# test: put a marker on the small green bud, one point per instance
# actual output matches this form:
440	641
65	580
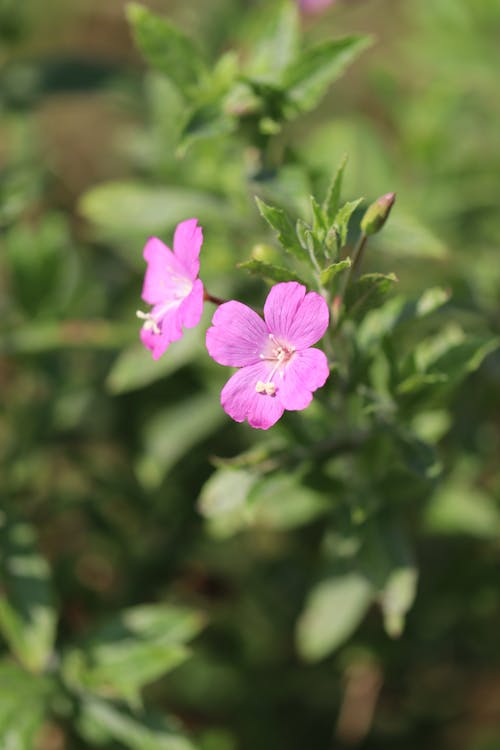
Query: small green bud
376	215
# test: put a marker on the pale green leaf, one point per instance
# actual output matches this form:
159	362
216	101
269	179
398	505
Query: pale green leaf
333	610
278	220
135	648
165	48
135	368
173	431
307	78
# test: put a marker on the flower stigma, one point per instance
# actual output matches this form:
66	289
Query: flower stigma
280	354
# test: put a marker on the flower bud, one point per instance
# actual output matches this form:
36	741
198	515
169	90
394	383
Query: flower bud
376	214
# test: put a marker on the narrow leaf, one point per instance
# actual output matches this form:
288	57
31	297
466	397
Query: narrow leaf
278	220
368	291
308	77
165	48
332	201
343	217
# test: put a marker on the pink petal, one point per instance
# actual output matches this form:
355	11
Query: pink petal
165	276
241	401
188	239
307	371
295	317
191	307
171	330
237	336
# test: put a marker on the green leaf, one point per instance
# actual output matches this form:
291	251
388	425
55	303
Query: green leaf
171	433
461	506
405	236
270	271
464	357
122	207
42	265
343	217
101	722
387	561
134	368
281	501
331	203
27	614
278	220
330	272
206	120
383	321
333	610
277	44
165	47
368	291
23	704
319	220
137	647
223	500
307	78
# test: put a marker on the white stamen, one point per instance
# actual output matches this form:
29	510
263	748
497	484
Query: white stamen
150	323
268	388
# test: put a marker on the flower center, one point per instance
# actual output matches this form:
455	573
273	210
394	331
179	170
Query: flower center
279	354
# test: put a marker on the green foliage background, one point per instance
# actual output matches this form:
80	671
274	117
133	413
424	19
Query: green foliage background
170	579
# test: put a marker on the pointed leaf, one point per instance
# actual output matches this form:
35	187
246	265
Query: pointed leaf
278	220
332	201
270	271
330	272
165	48
277	44
343	217
309	76
368	291
135	648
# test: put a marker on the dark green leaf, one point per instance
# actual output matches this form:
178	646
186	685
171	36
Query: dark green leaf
368	291
269	271
165	47
27	614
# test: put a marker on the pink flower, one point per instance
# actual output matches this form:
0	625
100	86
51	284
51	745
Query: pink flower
279	370
314	6
172	286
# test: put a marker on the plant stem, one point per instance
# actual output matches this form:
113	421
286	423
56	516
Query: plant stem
210	298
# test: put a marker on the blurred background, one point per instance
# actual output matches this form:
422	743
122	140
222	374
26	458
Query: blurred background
104	453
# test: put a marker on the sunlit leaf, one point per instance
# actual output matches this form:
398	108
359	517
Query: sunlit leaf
135	648
333	610
173	431
23	705
101	722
